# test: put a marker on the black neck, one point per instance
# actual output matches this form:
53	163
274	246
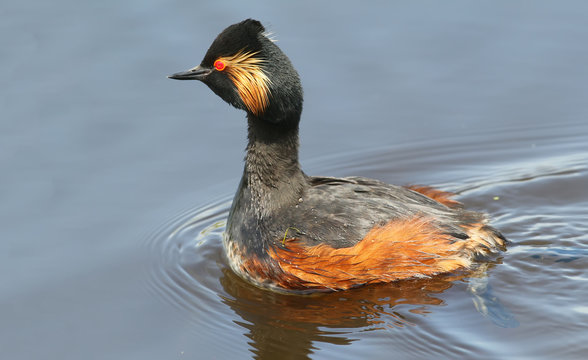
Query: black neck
272	172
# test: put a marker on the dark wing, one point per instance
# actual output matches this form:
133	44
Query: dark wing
341	211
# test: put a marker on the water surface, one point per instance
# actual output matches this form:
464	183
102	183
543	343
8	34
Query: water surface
116	182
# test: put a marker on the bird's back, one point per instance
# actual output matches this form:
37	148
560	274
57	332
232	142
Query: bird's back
346	232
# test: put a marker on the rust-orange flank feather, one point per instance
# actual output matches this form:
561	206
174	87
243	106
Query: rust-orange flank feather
399	250
444	197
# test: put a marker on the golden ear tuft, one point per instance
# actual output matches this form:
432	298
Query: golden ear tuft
246	72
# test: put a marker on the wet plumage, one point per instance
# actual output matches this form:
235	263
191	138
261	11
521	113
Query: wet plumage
287	230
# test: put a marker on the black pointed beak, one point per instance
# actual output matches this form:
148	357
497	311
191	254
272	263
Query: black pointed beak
197	73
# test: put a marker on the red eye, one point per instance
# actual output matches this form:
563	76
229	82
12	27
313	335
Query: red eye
219	65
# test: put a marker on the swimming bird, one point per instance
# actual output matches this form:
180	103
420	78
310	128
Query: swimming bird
293	232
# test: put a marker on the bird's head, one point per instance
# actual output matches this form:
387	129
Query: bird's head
246	69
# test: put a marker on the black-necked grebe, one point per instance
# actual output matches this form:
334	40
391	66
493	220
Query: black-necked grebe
291	231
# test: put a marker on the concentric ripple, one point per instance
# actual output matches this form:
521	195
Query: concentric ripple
538	202
188	256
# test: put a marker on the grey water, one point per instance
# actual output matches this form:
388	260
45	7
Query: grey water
115	182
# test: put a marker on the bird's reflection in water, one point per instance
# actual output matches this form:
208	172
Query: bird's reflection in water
276	322
283	325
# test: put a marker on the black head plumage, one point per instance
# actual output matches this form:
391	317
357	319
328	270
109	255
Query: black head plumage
246	69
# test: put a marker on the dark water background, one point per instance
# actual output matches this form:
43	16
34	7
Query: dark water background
115	182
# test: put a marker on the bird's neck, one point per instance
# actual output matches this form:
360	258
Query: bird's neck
272	175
